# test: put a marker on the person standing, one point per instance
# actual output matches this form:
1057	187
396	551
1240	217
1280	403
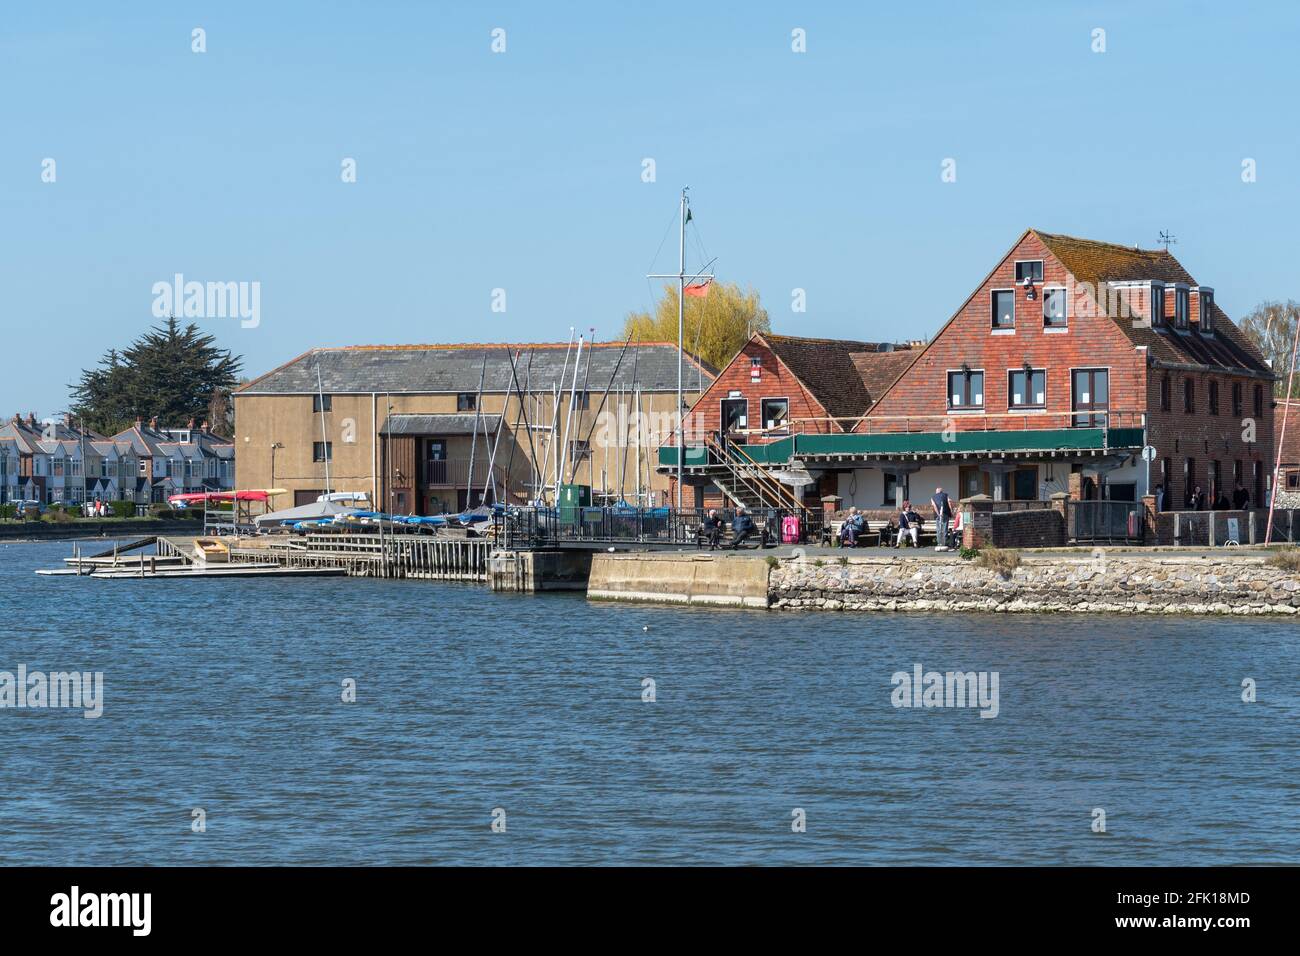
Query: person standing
1240	497
942	516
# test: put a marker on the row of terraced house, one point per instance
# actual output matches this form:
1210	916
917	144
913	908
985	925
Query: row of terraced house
58	462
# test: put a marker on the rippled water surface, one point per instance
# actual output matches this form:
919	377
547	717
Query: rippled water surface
226	695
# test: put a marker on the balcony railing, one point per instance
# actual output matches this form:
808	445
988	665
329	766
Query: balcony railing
455	472
957	419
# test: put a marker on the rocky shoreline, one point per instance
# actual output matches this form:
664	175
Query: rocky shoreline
1125	584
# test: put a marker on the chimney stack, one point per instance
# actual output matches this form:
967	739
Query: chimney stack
153	423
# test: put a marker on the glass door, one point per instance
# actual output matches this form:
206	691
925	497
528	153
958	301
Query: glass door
1091	393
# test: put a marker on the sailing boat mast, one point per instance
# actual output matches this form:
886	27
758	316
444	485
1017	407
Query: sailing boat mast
681	277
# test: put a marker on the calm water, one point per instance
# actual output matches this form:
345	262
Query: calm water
225	695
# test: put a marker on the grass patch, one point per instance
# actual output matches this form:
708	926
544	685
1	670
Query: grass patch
772	562
1287	559
999	560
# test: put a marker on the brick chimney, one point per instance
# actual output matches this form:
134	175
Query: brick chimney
153	423
31	419
190	424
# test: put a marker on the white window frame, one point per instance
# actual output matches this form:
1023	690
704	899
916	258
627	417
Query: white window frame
1206	324
1002	329
773	398
1065	293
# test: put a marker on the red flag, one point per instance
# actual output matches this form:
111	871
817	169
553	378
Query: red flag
698	291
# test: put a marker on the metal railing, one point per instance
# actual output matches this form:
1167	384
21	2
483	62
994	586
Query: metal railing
537	528
1109	521
455	472
958	419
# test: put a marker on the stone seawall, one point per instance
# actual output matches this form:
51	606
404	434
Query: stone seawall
1132	584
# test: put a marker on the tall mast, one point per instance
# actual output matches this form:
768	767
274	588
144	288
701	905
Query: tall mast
684	214
324	438
681	332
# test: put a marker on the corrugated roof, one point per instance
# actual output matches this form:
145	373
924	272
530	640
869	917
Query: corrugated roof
450	424
456	368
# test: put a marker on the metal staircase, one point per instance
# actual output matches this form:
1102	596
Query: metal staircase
744	481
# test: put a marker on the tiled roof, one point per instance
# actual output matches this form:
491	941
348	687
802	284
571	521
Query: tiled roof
1291	442
457	424
879	370
826	367
1097	262
455	368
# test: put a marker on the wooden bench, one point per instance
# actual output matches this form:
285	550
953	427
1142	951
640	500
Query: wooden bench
757	539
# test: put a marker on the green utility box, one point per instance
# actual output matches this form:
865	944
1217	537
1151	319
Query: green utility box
573	498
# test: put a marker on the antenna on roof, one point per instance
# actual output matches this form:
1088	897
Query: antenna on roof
1168	238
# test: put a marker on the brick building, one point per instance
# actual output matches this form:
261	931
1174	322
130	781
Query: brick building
1060	366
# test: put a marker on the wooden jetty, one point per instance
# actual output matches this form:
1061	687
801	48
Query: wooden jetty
419	556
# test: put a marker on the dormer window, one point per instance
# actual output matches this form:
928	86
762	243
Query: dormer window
1157	306
1181	310
1207	310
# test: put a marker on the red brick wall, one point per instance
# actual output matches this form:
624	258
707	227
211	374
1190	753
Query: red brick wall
1204	438
775	381
1090	342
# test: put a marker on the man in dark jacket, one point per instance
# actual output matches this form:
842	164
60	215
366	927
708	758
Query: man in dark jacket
1240	497
742	526
942	516
713	528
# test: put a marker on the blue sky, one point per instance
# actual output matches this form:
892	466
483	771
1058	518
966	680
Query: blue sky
522	170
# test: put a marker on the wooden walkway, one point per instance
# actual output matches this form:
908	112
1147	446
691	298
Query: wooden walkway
401	555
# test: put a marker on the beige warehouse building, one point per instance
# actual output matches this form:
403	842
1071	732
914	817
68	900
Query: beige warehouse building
428	429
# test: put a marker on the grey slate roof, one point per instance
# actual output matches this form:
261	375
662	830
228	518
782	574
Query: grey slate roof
457	424
456	368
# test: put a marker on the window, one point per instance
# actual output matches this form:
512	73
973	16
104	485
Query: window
1180	309
466	401
1054	309
966	389
1189	396
1189	479
322	451
1157	306
1236	399
1207	311
1214	397
322	403
1091	394
1166	394
776	413
1027	388
891	489
579	450
1031	269
1004	309
1259	401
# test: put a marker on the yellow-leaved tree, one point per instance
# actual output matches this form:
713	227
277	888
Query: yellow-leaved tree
716	325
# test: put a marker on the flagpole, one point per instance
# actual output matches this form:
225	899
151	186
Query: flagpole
681	277
681	327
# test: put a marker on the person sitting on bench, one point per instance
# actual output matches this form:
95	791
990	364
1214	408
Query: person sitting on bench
742	526
712	528
909	525
853	526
